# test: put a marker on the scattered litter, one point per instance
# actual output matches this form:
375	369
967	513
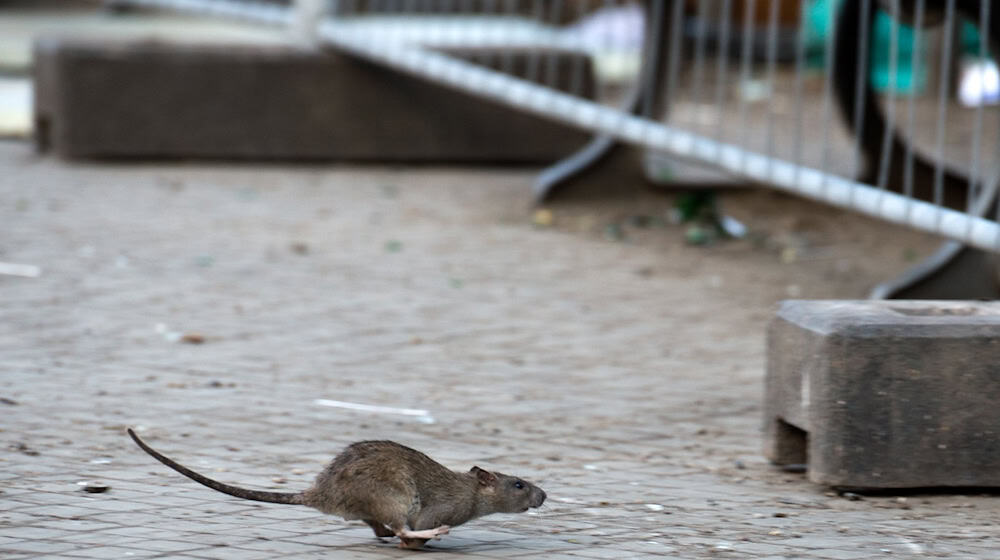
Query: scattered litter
707	223
789	255
298	471
23	270
175	336
279	480
543	217
739	464
192	338
23	448
852	496
654	507
913	547
168	335
775	533
732	227
420	414
11	402
93	487
591	467
779	514
100	461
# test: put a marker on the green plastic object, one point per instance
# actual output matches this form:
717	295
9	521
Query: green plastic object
908	80
817	23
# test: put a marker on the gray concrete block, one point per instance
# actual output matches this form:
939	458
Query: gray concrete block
886	394
149	99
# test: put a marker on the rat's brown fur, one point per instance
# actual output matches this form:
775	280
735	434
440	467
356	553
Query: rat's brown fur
391	487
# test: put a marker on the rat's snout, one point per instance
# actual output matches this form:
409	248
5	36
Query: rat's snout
538	498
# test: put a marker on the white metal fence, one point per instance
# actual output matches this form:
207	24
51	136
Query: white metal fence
838	101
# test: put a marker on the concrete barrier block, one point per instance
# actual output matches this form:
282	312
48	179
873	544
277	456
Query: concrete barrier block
886	394
153	99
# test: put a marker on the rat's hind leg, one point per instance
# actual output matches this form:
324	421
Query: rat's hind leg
380	529
391	510
416	539
434	533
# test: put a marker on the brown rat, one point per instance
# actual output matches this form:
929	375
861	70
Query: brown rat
396	490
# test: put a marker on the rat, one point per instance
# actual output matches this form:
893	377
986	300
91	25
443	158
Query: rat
396	490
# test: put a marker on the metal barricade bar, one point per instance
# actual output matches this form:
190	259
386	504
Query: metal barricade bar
392	41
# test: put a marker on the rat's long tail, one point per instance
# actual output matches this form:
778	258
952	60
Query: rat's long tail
256	495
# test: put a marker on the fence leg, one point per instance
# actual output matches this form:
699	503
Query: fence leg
954	271
645	98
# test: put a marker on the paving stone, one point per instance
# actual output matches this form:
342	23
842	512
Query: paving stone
37	547
845	554
86	525
40	533
114	552
886	394
89	540
151	99
226	553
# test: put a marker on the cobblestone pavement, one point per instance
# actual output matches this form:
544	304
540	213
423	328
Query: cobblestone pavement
624	379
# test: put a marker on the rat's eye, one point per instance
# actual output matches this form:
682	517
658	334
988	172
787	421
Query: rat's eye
519	485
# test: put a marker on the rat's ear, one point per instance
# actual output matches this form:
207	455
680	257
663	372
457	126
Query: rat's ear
486	478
